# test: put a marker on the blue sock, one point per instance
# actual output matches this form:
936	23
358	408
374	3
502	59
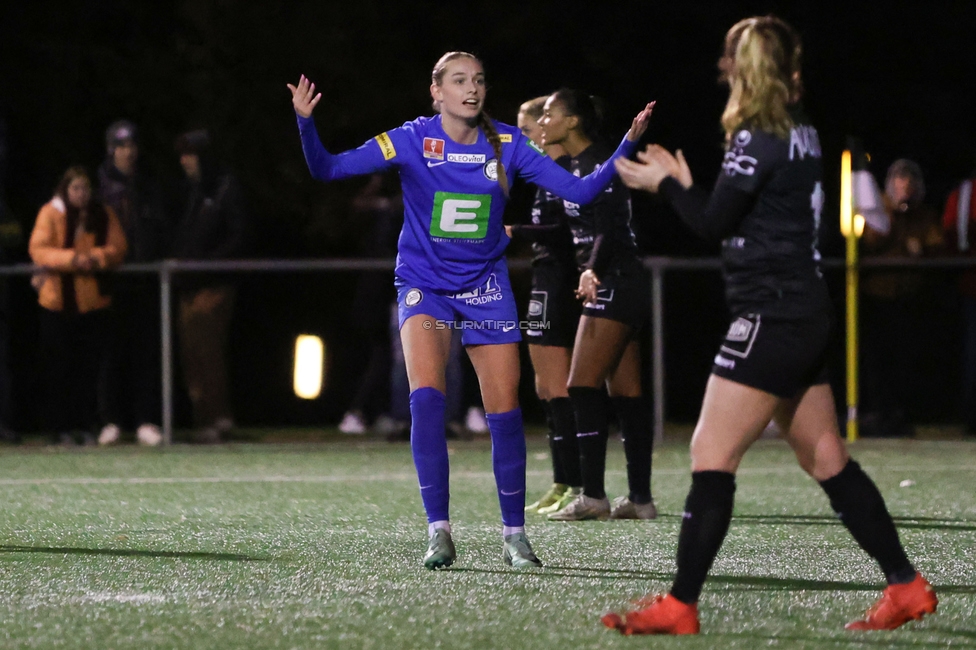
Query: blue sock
429	446
508	461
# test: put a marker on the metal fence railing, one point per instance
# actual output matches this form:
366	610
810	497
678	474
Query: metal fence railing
657	266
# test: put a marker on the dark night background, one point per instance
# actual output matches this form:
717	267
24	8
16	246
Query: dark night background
899	75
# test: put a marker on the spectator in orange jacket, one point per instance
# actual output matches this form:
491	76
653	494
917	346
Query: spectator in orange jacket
74	239
959	223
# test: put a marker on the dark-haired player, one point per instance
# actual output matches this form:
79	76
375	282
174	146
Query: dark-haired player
614	290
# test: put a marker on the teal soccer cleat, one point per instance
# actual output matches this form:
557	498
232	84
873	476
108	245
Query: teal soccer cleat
517	552
440	551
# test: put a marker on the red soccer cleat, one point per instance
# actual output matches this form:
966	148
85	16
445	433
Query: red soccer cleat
664	615
898	605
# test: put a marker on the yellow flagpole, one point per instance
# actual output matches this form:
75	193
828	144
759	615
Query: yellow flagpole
849	230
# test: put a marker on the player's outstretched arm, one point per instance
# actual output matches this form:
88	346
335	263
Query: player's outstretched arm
542	171
323	165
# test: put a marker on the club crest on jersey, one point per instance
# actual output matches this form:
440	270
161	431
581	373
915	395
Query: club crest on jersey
413	298
434	148
491	170
739	330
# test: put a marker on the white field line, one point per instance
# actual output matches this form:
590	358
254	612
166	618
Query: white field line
343	478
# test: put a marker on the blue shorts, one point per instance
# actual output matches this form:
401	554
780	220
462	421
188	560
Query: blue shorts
486	315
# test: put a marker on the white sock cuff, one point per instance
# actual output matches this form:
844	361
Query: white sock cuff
434	525
511	530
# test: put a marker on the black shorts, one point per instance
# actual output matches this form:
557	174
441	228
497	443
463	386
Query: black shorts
554	310
779	356
623	297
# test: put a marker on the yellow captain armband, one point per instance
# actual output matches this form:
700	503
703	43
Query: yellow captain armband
386	146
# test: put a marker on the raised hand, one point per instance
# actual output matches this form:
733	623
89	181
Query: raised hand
639	125
303	97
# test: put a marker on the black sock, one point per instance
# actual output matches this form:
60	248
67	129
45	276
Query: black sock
567	449
859	505
590	407
558	476
635	428
708	511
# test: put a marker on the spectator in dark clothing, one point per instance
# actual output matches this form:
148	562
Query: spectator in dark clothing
892	324
74	238
213	226
130	382
368	317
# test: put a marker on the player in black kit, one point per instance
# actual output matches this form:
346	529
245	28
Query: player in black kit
614	290
766	208
552	316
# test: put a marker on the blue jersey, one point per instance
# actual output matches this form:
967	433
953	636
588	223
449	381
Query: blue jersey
452	227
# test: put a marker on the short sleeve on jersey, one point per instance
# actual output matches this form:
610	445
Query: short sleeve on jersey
750	158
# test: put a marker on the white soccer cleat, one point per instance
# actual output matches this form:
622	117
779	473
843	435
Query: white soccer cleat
583	508
352	424
109	435
624	508
475	420
148	435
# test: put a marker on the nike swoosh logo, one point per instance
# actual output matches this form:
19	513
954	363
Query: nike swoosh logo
510	494
431	163
508	329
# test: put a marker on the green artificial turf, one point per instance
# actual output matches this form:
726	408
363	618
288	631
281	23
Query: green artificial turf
320	546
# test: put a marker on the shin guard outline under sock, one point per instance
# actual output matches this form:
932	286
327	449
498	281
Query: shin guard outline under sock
429	446
558	475
508	463
567	447
590	407
859	505
708	512
635	428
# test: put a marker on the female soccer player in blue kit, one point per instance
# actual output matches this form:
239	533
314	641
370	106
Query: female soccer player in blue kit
451	273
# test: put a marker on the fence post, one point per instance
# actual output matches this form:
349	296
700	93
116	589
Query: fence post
657	348
166	327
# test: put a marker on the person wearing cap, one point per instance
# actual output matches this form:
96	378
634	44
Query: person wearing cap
129	386
213	226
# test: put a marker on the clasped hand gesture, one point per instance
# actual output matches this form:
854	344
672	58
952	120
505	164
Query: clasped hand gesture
653	165
303	97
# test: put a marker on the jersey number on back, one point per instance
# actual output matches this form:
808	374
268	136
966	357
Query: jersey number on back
817	200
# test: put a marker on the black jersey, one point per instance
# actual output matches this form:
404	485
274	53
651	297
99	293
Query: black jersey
766	206
601	230
552	240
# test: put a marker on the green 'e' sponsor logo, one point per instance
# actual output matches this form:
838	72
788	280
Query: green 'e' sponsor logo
534	147
460	216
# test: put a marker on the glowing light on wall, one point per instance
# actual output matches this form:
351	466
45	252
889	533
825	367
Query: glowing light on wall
309	362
